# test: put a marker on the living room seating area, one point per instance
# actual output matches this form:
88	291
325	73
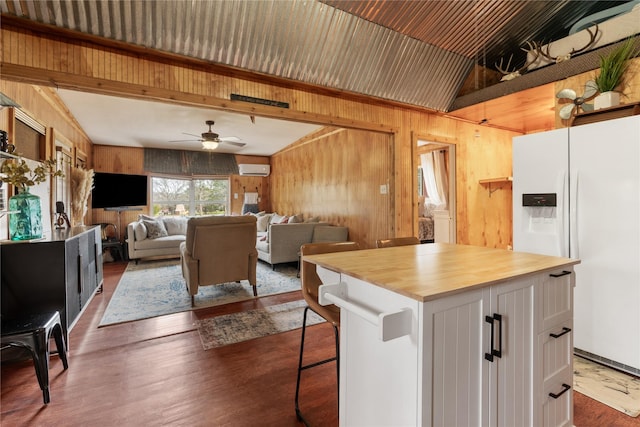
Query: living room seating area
277	239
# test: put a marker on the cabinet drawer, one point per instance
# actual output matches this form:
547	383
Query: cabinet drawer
555	368
555	346
557	401
556	298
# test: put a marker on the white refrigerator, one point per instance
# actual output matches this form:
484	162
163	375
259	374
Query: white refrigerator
576	193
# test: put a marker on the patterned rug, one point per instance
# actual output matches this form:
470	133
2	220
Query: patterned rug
247	325
156	288
613	388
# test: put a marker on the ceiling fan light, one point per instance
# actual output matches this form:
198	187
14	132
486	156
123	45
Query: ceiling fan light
210	145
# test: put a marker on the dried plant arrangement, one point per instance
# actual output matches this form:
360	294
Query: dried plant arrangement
81	185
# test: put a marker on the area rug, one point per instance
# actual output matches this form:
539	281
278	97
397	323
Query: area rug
613	388
156	288
247	325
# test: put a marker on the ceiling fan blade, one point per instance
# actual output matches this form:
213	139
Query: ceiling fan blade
237	144
191	134
565	112
186	140
229	139
567	93
590	89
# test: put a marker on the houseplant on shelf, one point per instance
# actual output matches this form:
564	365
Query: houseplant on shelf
26	221
612	69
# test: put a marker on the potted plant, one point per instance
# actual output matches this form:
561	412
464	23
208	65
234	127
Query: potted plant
25	221
612	69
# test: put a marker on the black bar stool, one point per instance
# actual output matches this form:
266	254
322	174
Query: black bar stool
33	332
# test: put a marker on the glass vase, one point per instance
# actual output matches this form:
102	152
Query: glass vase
26	223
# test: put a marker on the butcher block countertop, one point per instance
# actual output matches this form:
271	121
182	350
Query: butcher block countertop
431	271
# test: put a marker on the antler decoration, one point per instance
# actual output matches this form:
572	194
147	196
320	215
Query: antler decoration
510	75
558	59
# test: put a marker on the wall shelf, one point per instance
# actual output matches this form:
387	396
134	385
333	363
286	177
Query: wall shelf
610	113
498	182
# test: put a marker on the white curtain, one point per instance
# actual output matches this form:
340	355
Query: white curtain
435	177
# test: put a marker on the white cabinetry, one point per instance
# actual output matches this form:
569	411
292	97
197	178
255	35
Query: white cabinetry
487	356
554	351
480	363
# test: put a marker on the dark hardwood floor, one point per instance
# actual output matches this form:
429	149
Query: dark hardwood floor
154	372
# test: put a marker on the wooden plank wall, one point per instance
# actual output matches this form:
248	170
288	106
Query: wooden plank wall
44	106
337	177
37	57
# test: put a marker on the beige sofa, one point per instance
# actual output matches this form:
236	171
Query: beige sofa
282	241
145	237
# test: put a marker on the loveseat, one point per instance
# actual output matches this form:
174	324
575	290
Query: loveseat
156	237
280	242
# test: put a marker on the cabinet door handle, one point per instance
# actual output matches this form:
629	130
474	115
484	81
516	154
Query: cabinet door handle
564	273
95	250
80	275
494	352
565	330
565	388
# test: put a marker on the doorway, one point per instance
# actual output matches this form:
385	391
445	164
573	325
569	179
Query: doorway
436	191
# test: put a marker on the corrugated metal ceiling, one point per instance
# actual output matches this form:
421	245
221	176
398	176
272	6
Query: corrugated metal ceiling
414	52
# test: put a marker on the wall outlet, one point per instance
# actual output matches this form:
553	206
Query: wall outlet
235	195
383	189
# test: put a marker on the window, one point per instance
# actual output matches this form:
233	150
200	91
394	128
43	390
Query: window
193	197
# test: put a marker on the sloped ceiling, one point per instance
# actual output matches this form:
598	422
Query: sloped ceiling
413	52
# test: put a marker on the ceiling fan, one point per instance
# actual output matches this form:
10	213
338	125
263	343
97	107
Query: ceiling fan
211	140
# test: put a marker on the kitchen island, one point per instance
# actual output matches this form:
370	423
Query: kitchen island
450	335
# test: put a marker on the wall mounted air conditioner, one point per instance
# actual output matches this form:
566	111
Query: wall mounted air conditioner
254	170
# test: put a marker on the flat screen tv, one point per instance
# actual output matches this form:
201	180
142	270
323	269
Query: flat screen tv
115	190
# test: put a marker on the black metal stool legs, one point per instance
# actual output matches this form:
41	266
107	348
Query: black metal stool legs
33	333
313	365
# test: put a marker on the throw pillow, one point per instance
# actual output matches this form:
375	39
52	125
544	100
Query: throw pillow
263	222
276	219
155	229
285	220
147	217
295	219
312	219
139	231
175	225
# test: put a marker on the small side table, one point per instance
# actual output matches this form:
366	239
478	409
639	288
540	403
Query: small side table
114	245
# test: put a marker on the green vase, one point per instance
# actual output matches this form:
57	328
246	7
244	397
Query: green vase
26	224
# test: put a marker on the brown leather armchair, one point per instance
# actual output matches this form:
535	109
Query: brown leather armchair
219	249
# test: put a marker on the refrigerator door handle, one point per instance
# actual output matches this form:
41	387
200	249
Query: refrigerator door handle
573	216
561	223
